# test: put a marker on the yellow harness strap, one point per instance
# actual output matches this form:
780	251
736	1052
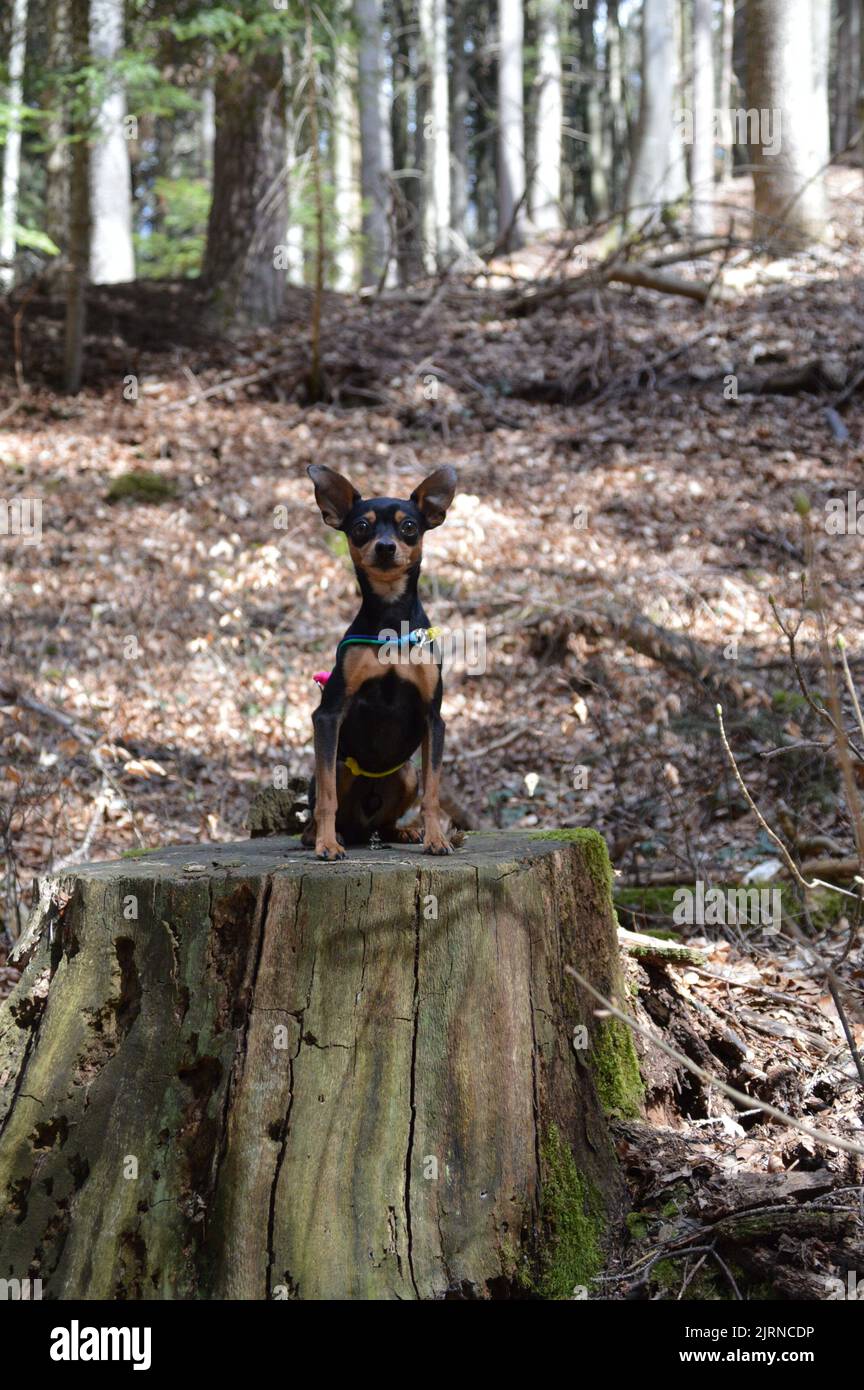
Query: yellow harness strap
354	767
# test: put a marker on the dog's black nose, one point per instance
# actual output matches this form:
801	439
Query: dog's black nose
385	550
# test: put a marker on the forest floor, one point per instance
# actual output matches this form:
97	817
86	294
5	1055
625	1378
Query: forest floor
184	590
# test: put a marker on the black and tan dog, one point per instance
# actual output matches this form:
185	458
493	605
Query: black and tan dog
382	700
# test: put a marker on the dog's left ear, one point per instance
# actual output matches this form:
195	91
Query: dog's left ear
334	494
435	494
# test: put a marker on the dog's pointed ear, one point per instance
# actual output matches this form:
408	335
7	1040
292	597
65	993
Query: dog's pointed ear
435	494
333	493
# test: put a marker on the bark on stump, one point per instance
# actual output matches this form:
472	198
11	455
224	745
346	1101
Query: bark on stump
229	1071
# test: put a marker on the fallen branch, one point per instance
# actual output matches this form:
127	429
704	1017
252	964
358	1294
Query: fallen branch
670	649
643	277
654	948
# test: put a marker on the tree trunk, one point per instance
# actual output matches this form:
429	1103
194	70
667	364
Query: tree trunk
295	171
511	124
343	128
374	145
12	147
702	171
546	192
230	1071
78	238
727	83
407	192
617	109
657	177
459	128
112	258
786	82
56	107
436	133
244	260
598	185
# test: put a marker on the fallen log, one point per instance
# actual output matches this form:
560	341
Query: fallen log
231	1071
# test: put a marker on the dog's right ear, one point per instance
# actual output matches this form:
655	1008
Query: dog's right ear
333	493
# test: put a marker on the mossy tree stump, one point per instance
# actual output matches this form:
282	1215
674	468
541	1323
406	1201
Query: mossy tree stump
233	1072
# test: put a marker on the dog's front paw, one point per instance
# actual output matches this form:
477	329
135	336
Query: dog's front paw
406	835
329	850
436	844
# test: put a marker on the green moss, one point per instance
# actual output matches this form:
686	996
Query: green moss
137	853
637	1225
616	1070
594	848
141	486
573	1218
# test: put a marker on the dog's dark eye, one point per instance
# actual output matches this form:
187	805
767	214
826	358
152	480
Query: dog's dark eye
408	530
360	531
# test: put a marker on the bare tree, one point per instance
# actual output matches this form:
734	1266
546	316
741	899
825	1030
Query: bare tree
374	140
12	148
787	87
459	123
657	176
511	123
112	257
727	80
344	124
248	213
436	132
78	237
546	191
702	170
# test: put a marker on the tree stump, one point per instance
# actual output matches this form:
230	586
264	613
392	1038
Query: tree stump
230	1071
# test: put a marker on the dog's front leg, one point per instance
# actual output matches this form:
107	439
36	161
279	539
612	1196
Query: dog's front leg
434	839
326	724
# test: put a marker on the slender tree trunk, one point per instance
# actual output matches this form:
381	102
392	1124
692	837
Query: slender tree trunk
727	83
616	101
546	193
57	159
244	260
821	116
702	170
511	124
344	126
78	238
486	152
436	133
207	122
598	187
112	258
459	126
786	82
374	145
658	175
12	148
295	266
